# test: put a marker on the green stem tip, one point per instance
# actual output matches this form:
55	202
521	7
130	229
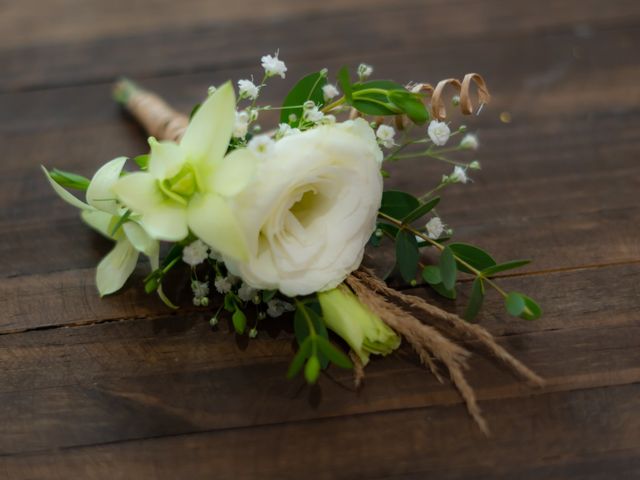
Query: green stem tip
123	89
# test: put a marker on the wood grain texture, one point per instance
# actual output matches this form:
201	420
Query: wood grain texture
121	388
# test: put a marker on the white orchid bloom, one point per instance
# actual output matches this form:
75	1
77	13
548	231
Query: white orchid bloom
187	185
102	213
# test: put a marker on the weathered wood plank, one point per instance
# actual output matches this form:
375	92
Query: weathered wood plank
170	375
588	434
371	30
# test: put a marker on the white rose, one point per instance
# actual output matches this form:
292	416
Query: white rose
312	209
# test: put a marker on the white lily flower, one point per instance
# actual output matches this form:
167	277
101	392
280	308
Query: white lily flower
102	213
187	185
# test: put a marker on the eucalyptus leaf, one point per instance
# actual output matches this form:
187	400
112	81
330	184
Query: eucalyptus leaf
519	305
308	88
432	275
501	267
474	256
398	204
439	288
475	300
407	255
448	268
421	210
333	354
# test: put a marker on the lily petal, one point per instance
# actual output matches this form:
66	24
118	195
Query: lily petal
64	194
139	191
99	193
116	267
102	222
166	159
213	221
166	221
234	172
209	132
141	240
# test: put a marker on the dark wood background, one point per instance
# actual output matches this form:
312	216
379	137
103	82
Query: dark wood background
123	388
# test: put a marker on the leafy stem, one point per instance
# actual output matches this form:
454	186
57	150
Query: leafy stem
409	228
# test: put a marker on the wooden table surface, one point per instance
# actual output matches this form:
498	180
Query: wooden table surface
123	388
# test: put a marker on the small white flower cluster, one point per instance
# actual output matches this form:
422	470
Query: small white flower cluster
225	284
469	142
195	253
364	71
248	89
329	91
273	66
284	130
277	307
385	134
438	132
200	293
261	145
435	228
459	175
248	294
311	112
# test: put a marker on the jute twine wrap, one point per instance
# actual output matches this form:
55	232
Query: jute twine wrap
440	335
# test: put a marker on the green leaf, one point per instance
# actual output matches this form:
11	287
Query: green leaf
267	295
312	370
298	360
194	110
439	288
308	88
501	267
121	221
300	326
407	255
174	252
142	161
421	210
398	204
475	301
239	320
332	353
390	230
474	256
69	180
448	268
345	83
520	305
372	105
411	105
432	275
230	302
377	84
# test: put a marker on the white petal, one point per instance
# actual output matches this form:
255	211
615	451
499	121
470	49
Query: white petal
99	221
213	221
139	191
99	193
234	172
165	160
116	267
166	221
140	239
64	194
208	134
